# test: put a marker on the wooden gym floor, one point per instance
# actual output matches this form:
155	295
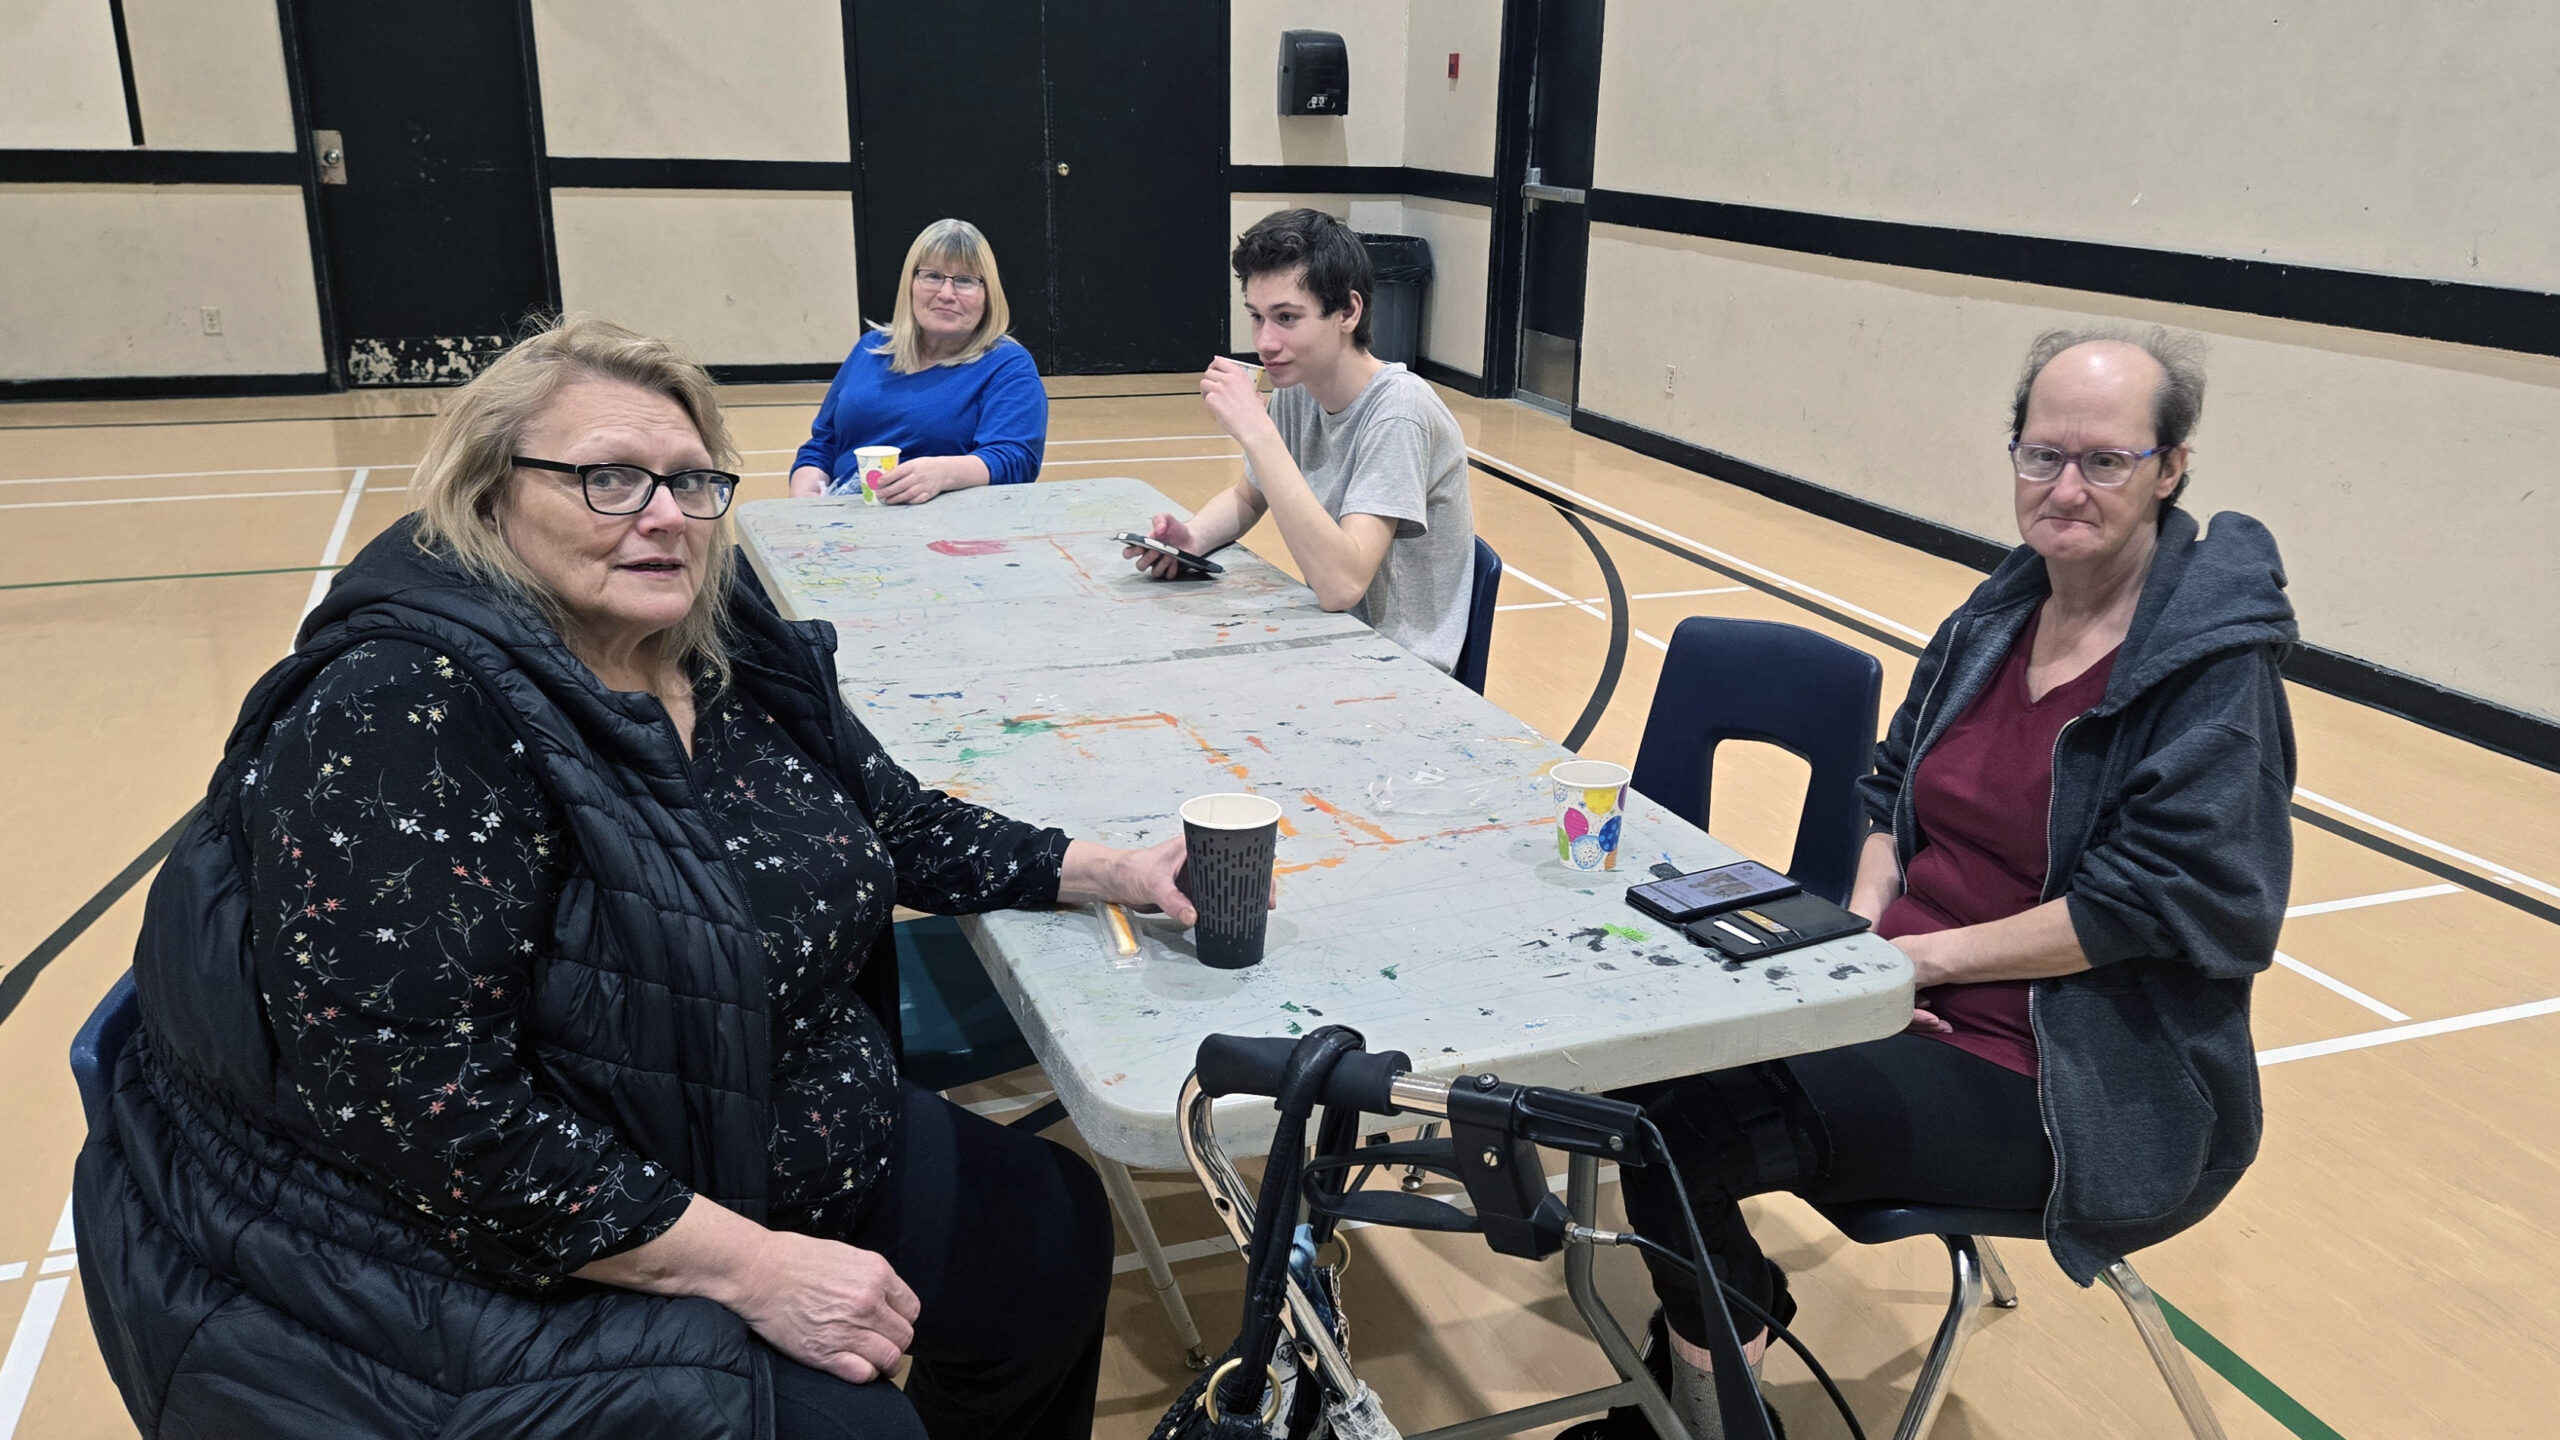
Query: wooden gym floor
2384	1271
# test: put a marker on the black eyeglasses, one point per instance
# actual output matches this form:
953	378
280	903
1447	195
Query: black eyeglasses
614	489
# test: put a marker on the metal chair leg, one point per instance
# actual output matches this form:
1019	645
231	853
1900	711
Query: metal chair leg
1995	1275
1964	1306
2166	1352
1142	1233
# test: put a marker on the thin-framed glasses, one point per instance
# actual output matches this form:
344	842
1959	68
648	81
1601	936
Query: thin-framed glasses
2106	469
960	284
616	489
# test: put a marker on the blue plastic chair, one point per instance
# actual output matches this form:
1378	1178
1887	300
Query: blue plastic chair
1469	670
1783	684
100	1041
1978	1270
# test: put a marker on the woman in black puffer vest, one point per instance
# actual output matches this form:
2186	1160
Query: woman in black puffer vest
511	1060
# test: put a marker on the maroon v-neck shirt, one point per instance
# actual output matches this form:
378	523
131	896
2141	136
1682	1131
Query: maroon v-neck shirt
1982	797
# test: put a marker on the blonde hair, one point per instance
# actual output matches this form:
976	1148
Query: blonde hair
953	245
468	464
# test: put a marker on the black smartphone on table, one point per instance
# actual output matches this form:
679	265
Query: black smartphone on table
1183	559
1684	898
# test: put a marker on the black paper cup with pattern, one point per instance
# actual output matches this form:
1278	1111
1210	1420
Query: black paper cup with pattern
1232	839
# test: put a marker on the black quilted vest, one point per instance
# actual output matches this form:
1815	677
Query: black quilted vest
239	1285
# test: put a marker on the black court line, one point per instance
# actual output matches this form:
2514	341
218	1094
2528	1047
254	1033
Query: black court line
22	976
1605	688
1743	577
2506	895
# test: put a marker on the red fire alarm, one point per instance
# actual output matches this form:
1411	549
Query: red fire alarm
1453	64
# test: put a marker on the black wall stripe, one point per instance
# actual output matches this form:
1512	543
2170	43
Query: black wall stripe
157	387
150	167
2484	723
124	67
2478	885
594	172
2504	319
1449	375
1360	180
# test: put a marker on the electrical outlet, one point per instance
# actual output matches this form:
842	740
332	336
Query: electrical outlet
1670	378
212	319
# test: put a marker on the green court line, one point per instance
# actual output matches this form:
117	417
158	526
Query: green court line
197	575
2244	1377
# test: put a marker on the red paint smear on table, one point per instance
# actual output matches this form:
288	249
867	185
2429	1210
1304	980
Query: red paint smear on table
965	548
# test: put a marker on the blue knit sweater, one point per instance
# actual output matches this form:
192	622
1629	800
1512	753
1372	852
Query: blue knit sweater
992	407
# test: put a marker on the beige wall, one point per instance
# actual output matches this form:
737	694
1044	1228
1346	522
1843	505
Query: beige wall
1405	111
2358	134
209	74
680	79
108	280
60	88
2407	481
1371	134
1461	239
1449	124
736	277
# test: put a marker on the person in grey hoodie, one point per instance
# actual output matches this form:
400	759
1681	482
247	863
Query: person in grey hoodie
2081	839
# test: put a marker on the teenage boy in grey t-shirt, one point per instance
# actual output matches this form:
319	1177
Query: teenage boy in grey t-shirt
1357	458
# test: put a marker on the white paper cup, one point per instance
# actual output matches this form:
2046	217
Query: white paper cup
872	464
1591	806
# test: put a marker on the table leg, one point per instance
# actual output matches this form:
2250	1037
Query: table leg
1582	1201
1142	1233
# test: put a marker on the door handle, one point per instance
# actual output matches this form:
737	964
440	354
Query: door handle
330	146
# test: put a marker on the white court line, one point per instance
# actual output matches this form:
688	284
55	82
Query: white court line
14	1270
2331	982
198	474
1603	599
1586	607
321	577
1703	548
2359	902
2512	877
26	1349
159	499
35	1327
2418	1031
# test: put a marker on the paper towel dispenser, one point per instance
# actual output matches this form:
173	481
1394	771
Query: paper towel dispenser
1315	73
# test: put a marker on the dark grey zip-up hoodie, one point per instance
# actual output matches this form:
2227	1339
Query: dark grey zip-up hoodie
2171	838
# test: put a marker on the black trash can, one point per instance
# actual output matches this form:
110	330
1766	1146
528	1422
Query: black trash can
1403	266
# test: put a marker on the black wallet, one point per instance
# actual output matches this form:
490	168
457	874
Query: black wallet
1773	928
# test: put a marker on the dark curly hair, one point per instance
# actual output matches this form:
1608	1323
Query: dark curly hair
1335	263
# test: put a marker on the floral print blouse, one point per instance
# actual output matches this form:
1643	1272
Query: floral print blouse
405	861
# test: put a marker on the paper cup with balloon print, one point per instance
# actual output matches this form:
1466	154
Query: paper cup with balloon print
1591	803
871	465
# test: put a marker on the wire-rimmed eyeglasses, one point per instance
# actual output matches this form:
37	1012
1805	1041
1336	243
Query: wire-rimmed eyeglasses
2106	469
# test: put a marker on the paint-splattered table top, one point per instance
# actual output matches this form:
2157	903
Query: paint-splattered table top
1001	650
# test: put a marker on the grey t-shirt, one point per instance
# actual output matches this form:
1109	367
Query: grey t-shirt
1395	452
